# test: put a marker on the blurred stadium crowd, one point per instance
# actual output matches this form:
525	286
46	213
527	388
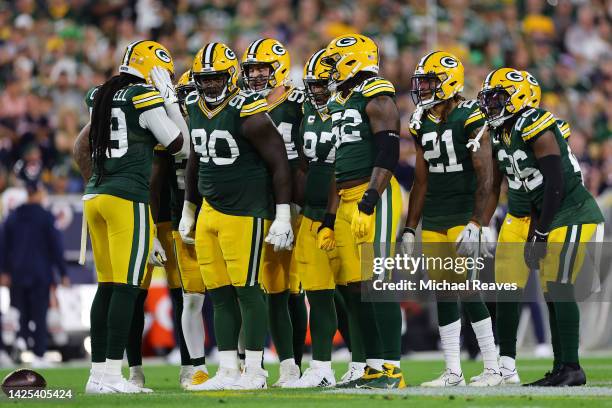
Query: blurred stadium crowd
52	51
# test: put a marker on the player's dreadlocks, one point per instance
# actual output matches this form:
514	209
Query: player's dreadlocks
99	134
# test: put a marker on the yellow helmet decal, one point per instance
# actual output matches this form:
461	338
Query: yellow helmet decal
140	57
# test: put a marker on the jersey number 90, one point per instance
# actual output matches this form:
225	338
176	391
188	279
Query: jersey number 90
208	145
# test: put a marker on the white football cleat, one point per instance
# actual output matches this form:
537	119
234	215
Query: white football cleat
354	372
93	385
509	377
313	378
116	384
252	378
225	378
289	372
447	379
185	374
488	378
137	376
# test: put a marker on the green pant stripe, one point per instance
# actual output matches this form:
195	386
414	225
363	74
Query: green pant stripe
389	220
574	254
260	240
377	228
147	242
565	253
178	266
255	252
134	249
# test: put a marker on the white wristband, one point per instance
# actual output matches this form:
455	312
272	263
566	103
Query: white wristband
283	212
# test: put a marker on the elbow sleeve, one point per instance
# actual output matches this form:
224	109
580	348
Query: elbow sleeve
387	143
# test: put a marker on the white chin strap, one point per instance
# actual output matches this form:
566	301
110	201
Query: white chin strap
498	121
415	121
218	99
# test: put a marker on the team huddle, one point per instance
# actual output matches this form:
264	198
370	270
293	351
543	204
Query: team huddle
259	194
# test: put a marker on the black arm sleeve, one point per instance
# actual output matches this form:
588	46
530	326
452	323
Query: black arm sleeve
551	169
387	143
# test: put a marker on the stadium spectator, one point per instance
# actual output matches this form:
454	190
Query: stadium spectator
31	247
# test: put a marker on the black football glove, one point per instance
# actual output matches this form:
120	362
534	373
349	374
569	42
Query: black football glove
535	249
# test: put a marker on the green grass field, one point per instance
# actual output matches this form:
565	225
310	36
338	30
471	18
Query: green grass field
163	379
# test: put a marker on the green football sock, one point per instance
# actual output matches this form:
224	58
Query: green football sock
567	316
366	314
299	322
554	333
389	324
281	328
227	317
322	323
176	296
99	322
475	308
342	318
448	312
134	344
253	310
507	317
356	341
120	313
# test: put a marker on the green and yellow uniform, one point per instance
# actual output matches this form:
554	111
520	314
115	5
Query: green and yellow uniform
117	202
451	181
236	189
318	269
577	218
279	274
355	155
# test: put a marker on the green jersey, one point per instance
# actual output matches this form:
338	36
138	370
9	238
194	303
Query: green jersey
355	147
578	206
127	168
451	182
519	204
232	176
173	190
286	113
319	149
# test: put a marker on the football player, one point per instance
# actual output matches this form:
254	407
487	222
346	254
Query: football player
563	211
178	258
364	201
319	269
114	152
265	69
450	193
239	166
514	230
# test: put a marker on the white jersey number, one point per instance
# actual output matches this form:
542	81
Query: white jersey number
118	134
434	152
206	146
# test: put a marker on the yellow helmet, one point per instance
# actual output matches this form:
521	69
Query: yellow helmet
504	93
184	87
273	53
316	75
536	91
211	62
141	56
437	77
349	54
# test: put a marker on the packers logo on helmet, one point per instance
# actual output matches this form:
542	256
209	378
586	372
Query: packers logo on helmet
141	56
437	77
536	91
347	55
215	72
504	93
184	87
316	81
271	56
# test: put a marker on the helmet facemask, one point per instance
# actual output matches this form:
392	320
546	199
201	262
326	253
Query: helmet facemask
494	103
427	89
317	91
181	94
259	82
213	86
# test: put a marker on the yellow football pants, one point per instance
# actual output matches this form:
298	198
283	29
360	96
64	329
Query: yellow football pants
164	235
440	245
189	271
383	236
509	254
229	248
280	269
121	238
318	269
